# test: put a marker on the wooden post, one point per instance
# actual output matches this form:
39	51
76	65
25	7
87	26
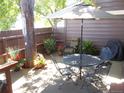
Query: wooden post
6	68
8	80
27	7
4	46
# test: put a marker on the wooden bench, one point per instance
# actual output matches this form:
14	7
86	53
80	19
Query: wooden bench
5	68
117	88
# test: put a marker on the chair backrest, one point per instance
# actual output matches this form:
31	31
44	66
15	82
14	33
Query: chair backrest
105	54
112	51
56	64
103	68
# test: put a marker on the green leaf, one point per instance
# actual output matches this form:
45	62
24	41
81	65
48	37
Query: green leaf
46	7
90	2
9	10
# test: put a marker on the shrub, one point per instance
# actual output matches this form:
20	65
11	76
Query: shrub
87	47
50	45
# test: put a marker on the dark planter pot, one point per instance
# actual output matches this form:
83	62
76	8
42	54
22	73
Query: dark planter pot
27	65
40	66
60	53
48	52
16	69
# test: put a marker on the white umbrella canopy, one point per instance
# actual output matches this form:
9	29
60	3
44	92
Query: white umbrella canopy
82	11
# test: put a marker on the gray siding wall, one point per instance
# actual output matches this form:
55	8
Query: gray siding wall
110	4
99	31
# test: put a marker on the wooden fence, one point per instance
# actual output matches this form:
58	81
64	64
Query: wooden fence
15	39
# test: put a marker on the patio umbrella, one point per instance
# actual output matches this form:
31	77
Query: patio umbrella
83	11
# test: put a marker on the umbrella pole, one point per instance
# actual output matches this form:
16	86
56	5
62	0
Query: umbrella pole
65	33
81	41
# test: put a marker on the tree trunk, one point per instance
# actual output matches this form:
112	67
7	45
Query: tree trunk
27	8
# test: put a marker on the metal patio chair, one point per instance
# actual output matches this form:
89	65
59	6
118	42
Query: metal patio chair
96	77
101	72
65	72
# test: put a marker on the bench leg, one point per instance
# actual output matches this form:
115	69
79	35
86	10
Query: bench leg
8	80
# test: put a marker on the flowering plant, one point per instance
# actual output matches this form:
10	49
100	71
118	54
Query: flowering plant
15	54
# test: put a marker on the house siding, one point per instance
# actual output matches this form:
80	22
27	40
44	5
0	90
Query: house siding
110	4
98	31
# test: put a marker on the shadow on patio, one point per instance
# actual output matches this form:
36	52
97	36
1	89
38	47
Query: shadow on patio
44	81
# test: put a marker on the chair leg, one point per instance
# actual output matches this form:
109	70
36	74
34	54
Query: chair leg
60	86
85	85
69	77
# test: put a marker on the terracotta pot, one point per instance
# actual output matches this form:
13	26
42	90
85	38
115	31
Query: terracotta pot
17	57
39	66
48	52
60	53
28	65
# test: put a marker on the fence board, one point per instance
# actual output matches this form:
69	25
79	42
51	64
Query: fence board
15	39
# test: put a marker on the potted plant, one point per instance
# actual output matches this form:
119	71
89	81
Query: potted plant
20	64
15	55
49	45
60	49
39	61
87	47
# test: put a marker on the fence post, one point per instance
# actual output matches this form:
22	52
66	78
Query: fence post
4	46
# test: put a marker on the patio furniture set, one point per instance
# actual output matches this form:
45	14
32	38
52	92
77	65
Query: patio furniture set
97	66
83	12
100	65
94	67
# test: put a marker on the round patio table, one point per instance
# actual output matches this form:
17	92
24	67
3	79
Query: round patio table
81	60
